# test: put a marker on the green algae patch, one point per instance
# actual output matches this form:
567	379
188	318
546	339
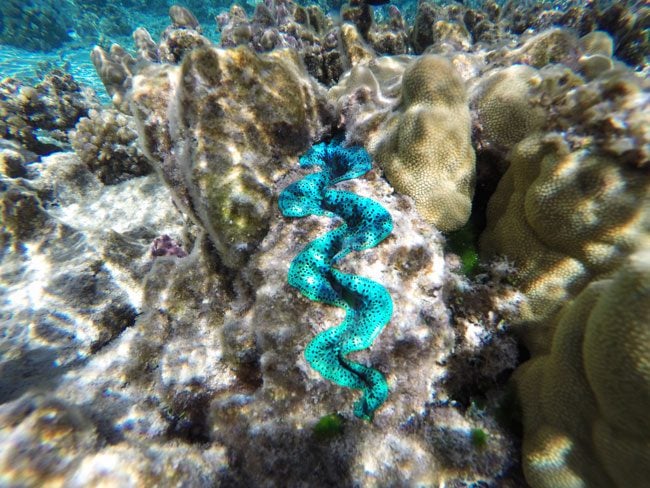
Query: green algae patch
328	427
463	242
479	438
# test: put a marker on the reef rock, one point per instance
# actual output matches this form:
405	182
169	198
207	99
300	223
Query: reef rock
290	398
221	129
71	276
205	381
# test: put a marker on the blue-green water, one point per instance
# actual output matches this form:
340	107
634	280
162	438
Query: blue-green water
29	43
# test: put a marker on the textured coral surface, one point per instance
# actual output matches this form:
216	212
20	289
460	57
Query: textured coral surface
587	397
221	128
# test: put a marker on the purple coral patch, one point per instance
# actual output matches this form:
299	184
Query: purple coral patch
166	246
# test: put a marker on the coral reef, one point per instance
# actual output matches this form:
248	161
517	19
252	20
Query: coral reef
34	24
529	222
586	399
390	37
115	69
106	141
572	213
424	147
503	106
181	37
14	159
365	95
151	337
411	352
39	116
623	21
368	307
220	128
326	50
421	34
586	142
69	269
552	46
414	118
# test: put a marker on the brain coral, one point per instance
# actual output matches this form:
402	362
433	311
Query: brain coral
585	402
425	146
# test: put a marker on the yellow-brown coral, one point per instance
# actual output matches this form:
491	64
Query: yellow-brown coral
424	147
504	105
565	218
585	402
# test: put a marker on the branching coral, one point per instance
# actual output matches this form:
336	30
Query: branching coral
39	116
106	141
367	304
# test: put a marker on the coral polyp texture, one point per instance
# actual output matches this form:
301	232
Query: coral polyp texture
587	398
425	148
573	213
367	304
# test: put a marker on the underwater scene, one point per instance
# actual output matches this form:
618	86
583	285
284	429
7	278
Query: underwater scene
328	243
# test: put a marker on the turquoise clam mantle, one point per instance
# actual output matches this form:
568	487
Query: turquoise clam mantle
368	306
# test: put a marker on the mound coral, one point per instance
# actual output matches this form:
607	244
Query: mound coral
504	108
573	213
424	147
367	304
587	398
550	195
